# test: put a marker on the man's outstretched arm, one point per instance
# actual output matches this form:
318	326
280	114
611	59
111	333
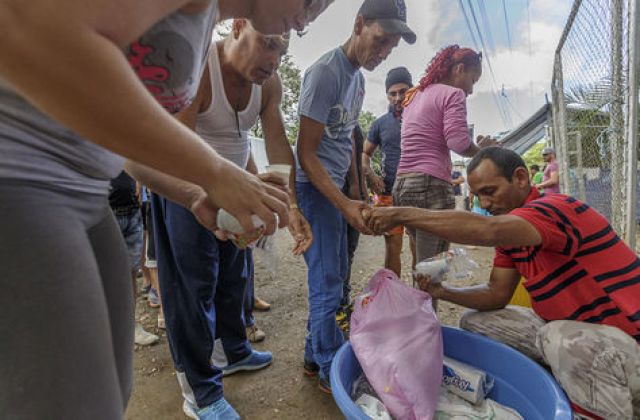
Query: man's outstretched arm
458	226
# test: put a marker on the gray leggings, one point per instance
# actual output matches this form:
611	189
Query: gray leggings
66	306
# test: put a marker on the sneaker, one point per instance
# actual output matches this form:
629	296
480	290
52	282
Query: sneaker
260	305
189	410
349	310
255	361
153	299
310	369
145	289
219	410
144	338
324	384
255	334
343	318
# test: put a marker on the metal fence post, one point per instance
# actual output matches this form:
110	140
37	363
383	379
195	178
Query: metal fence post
632	123
582	194
617	120
562	128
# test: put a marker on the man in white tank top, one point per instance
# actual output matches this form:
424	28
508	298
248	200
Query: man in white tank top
203	278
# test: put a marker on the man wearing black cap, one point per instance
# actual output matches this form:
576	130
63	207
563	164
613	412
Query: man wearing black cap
385	132
330	102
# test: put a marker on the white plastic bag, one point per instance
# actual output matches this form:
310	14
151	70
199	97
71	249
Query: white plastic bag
265	251
454	263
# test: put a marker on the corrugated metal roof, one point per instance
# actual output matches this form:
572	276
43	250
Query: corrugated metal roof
529	132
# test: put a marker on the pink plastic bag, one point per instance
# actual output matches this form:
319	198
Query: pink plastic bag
397	339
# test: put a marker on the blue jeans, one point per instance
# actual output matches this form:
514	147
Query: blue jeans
327	262
202	283
130	223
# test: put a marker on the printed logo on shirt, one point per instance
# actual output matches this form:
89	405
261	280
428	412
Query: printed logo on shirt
172	85
340	120
343	120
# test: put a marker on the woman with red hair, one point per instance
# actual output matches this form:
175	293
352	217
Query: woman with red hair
434	123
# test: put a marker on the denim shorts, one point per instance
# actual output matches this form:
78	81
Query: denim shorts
131	227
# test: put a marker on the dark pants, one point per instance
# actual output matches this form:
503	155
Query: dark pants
249	295
202	282
353	237
147	219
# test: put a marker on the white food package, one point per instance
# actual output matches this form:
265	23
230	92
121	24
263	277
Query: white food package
466	381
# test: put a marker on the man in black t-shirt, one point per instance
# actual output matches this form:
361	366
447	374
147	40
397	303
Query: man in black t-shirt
125	204
357	191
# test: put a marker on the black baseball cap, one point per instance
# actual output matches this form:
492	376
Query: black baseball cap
391	15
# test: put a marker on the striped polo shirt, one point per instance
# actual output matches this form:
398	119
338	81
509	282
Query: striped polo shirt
582	271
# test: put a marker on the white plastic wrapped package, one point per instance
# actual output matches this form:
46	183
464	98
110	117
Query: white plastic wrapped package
373	407
452	407
466	381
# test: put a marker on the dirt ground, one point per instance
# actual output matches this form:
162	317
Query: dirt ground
280	391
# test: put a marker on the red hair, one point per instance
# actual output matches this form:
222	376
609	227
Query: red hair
441	64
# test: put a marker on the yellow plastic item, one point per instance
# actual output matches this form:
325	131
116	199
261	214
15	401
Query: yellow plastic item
521	296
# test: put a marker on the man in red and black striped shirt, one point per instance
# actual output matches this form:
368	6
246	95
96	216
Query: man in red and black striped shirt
584	282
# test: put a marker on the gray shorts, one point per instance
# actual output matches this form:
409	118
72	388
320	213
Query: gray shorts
597	365
425	192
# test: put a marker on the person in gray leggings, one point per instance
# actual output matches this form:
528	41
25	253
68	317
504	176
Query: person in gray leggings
67	305
66	122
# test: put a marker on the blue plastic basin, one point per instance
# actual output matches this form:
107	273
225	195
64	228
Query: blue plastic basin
520	383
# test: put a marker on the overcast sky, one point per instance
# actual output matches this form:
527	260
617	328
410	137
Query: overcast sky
525	69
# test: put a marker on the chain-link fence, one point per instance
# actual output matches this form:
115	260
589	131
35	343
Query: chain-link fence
595	96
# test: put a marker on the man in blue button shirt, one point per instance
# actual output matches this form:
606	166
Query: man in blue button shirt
385	133
330	102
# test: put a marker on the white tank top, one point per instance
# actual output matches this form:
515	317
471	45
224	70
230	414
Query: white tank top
219	125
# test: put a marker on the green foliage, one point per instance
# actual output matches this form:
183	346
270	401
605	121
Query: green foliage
593	126
533	156
291	81
256	130
365	120
376	162
588	114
